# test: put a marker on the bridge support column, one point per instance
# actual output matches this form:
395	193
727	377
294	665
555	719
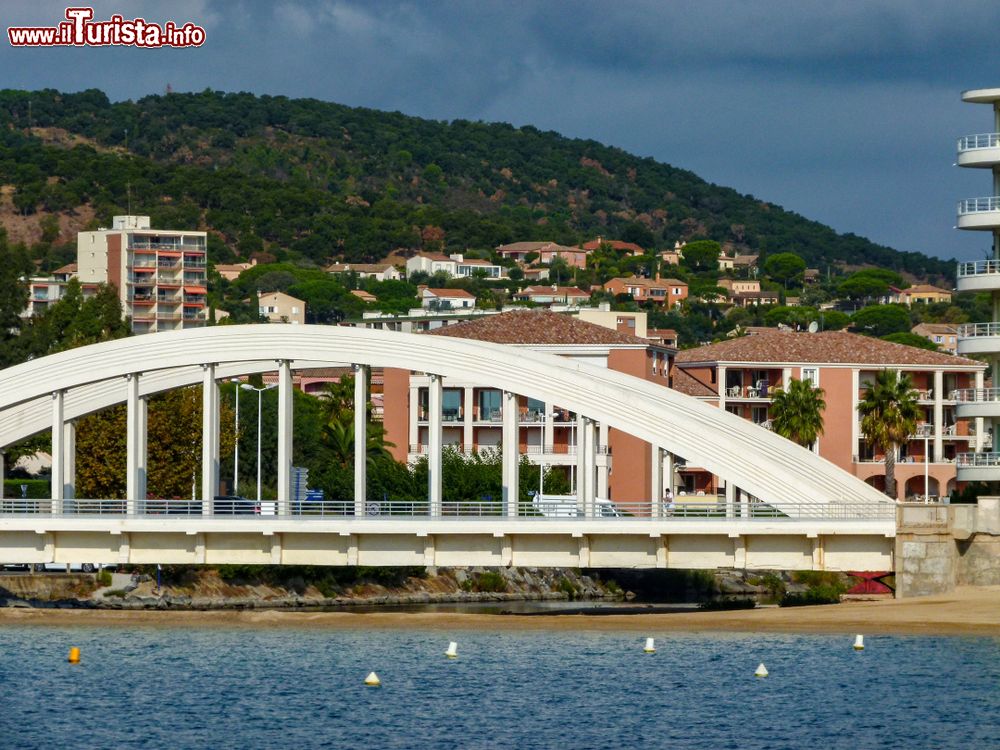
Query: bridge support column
730	499
662	550
414	422
143	449
668	472
656	481
589	476
739	551
132	442
468	412
360	439
603	461
578	483
818	563
435	395
3	470
209	439
285	422
58	450
583	551
510	453
69	461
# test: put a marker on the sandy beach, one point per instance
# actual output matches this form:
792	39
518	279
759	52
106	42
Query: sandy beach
966	611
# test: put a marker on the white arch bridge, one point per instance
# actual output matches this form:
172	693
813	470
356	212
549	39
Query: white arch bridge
784	506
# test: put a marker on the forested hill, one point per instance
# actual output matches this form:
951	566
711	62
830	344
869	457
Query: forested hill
311	180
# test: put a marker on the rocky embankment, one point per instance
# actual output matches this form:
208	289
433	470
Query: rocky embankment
206	588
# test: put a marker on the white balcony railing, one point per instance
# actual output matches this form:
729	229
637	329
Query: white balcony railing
980	140
979	205
983	460
978	268
976	330
975	395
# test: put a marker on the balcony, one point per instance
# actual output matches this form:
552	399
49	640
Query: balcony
980	150
977	402
760	391
979	338
978	467
978	276
979	213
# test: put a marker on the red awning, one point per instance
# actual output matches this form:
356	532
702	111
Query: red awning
169	253
195	290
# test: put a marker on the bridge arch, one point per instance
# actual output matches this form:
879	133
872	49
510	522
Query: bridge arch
92	377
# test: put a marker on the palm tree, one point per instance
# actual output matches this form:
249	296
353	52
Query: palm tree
889	415
797	412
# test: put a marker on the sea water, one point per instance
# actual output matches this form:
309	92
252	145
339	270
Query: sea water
164	687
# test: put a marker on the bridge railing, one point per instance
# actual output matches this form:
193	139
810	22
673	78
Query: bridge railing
541	509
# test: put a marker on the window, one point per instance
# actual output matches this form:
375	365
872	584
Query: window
489	404
811	375
676	291
759	414
937	339
295	310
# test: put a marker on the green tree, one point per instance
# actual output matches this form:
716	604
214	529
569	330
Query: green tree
881	320
702	255
14	270
912	339
784	267
797	412
889	415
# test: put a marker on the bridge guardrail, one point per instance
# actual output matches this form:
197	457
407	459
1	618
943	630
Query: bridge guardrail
541	509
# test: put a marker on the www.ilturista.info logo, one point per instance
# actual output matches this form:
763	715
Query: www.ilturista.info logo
80	30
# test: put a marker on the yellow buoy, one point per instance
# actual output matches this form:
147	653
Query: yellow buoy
761	671
372	680
859	643
74	655
452	651
650	647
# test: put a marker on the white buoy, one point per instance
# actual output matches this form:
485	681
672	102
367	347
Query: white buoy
650	647
452	651
372	680
761	671
859	643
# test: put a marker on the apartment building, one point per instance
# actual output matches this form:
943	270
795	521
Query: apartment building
667	292
159	273
943	335
472	413
279	307
741	375
43	291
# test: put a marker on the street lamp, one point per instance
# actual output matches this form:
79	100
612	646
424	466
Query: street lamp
260	391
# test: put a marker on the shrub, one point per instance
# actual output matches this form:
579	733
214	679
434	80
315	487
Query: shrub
490	581
567	587
103	577
774	584
823	594
116	593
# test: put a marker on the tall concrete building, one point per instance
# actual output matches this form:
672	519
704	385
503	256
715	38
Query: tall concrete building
981	151
159	273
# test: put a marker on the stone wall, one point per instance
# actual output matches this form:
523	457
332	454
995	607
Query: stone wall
940	547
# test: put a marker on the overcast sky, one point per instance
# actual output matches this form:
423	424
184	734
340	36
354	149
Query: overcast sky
845	112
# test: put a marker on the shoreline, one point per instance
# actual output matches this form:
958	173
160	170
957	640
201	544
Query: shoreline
966	611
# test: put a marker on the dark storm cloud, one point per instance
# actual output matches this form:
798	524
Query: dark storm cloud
844	112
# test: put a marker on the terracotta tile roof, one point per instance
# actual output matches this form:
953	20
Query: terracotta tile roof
434	256
828	347
475	262
614	244
924	289
364	296
453	293
643	282
523	247
946	328
68	268
537	327
685	382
